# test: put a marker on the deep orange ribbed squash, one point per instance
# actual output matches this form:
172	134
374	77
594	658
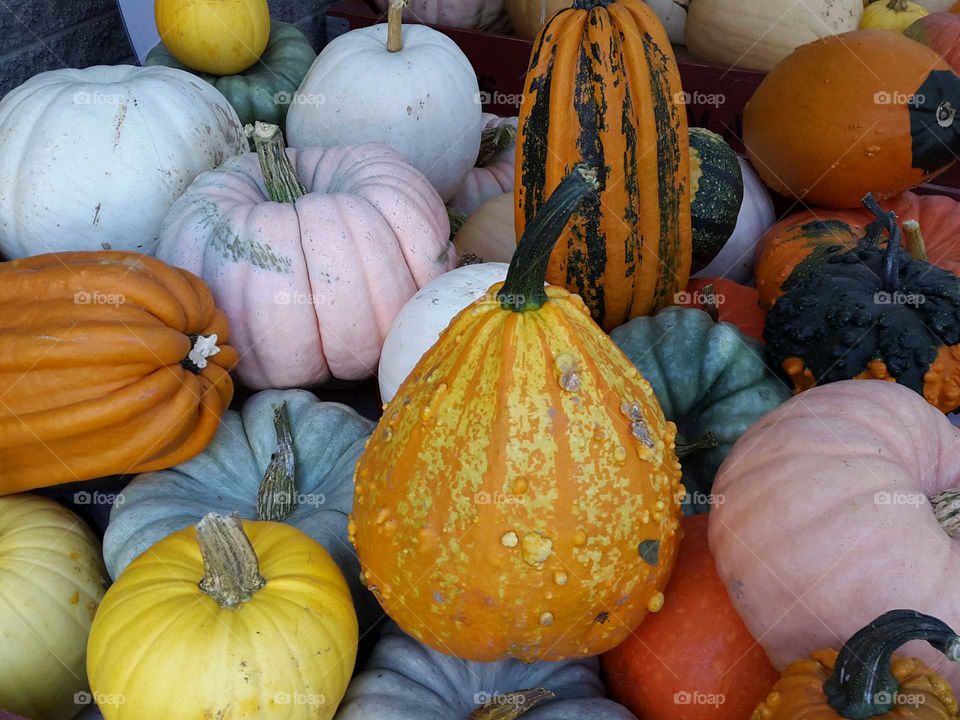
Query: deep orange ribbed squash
603	88
838	118
520	496
863	680
94	376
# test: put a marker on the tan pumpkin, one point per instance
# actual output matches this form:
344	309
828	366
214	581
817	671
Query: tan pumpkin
488	235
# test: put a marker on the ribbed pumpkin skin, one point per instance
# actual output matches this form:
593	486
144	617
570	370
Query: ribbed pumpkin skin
91	373
603	88
799	693
716	194
498	514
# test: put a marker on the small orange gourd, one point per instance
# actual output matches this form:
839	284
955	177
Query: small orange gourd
521	495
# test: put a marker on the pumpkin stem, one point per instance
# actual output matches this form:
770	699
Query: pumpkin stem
457	219
277	496
862	685
201	348
710	302
708	441
886	221
946	508
897	5
523	288
916	245
231	571
511	705
493	140
279	177
395	25
469	259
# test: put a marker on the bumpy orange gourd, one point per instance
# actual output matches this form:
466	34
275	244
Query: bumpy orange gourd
520	496
603	88
837	119
101	367
863	680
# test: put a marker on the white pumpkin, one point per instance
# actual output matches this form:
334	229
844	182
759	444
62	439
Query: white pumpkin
674	18
735	260
757	34
93	159
426	315
493	173
489	234
486	15
422	100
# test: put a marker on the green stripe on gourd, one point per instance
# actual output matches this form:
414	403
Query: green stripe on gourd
716	194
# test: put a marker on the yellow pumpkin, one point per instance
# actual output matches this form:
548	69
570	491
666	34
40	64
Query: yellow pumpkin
521	495
893	15
220	37
51	581
230	619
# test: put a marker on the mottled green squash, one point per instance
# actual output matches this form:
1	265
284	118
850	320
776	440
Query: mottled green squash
265	90
716	190
709	378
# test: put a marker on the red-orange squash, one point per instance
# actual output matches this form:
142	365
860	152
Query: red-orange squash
809	237
110	362
695	659
838	118
603	88
730	301
940	32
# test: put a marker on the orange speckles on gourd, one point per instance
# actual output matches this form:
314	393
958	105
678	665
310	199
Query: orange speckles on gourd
801	376
655	603
509	539
941	382
579	538
560	578
536	549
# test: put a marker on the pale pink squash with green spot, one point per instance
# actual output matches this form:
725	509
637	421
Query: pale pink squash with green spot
311	284
828	517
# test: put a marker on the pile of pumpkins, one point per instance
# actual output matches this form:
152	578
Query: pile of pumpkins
586	336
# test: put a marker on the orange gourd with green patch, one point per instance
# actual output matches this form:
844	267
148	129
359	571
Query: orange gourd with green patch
521	495
603	88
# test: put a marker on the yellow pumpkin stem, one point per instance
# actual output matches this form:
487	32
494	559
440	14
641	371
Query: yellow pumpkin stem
510	706
898	5
916	245
279	177
395	25
231	569
276	499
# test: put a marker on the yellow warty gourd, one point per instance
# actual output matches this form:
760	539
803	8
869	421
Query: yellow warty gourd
893	15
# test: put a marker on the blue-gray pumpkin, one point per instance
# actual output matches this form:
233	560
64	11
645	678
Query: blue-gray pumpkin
709	378
406	680
285	456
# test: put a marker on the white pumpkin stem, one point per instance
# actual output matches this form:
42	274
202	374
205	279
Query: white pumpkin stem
395	25
916	245
510	706
493	140
231	570
279	177
946	508
202	347
277	496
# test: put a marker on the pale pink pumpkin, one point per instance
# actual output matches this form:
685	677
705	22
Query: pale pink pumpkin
311	285
488	15
494	172
824	518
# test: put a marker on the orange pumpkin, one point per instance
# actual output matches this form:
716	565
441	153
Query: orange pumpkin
809	237
726	301
864	680
695	659
110	362
837	119
603	88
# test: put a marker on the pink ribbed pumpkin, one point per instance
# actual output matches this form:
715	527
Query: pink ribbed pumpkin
488	15
312	267
494	172
828	517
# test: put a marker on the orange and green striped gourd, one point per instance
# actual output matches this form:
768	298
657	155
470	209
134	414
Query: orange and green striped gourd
603	86
521	495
